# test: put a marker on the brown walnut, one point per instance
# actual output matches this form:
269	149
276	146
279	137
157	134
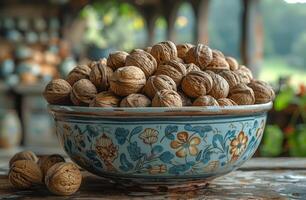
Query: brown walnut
242	94
78	73
57	92
206	100
83	92
105	99
45	162
201	55
157	83
226	102
217	64
100	75
102	61
164	51
182	49
167	98
191	67
220	87
262	90
245	74
232	62
116	59
231	77
135	100
173	69
23	155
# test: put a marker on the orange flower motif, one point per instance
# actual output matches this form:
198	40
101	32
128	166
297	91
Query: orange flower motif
238	145
106	149
158	169
185	144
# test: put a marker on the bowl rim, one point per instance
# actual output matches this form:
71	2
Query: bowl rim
160	111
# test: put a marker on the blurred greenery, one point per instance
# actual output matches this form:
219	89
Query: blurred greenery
272	144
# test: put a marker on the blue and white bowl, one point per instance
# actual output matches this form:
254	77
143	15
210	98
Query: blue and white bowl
153	146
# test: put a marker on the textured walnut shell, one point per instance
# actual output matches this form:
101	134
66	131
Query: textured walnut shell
116	59
242	94
262	90
164	51
148	49
226	102
231	77
197	83
102	61
23	155
105	99
173	69
100	75
232	62
191	67
127	80
182	49
145	61
216	52
245	74
135	100
83	92
63	178
46	162
78	73
157	83
206	100
220	87
24	173
201	55
186	101
57	92
217	64
167	98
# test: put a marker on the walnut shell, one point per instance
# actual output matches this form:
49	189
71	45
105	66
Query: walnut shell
78	73
23	155
182	49
220	87
191	67
24	173
148	49
262	90
83	92
145	61
232	62
57	92
217	64
226	102
167	98
216	52
102	61
201	55
135	100
231	77
242	94
164	51
100	75
63	178
46	162
157	83
105	99
206	100
186	101
173	69
116	59
197	83
127	80
245	74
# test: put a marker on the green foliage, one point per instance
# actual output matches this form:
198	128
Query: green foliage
284	98
272	144
297	142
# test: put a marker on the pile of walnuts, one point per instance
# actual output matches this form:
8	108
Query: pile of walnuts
164	75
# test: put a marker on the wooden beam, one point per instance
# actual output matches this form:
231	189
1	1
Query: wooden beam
201	11
170	10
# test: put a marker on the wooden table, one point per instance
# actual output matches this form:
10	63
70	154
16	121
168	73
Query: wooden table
259	178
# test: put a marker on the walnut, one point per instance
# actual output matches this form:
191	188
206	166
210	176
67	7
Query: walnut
206	100
226	102
127	80
164	51
105	99
116	59
200	55
167	98
157	83
263	91
23	155
24	173
231	77
102	61
197	83
217	64
83	92
57	92
220	87
232	62
135	100
148	49
145	61
245	74
186	101
216	52
191	67
182	49
63	179
100	75
78	73
242	94
173	69
179	60
45	162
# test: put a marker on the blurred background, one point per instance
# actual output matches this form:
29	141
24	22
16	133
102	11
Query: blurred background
40	40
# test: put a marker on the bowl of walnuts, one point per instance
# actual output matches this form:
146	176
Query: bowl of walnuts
164	115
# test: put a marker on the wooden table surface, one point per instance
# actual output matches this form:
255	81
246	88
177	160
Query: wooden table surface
259	178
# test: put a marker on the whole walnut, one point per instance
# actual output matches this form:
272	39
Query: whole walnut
182	49
167	98
105	99
226	102
217	64
216	52
102	61
83	92
220	87
148	49
197	83
127	80
157	83
24	173
164	51
232	62
145	61
242	94
23	155
201	55
116	59
245	74
231	77
191	67
63	179
100	75
186	101
78	73
179	60
206	100
46	162
173	69
135	100
57	92
263	91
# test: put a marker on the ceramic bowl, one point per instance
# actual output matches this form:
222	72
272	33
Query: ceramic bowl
148	146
